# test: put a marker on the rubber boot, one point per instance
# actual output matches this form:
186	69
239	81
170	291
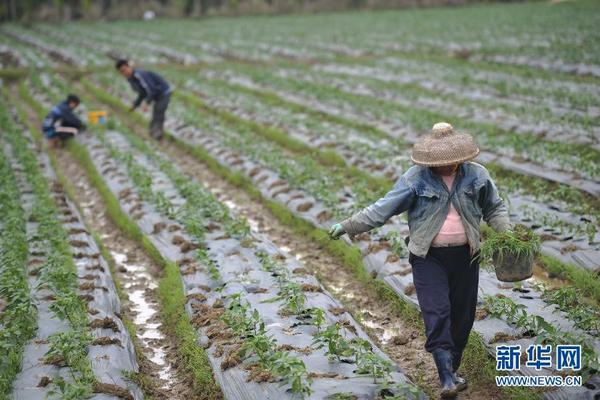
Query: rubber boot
443	362
459	381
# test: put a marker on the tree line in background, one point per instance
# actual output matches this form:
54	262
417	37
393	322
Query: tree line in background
69	10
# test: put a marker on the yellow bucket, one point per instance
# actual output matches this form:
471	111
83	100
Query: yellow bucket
97	117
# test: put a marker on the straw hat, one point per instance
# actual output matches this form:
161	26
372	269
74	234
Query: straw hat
444	146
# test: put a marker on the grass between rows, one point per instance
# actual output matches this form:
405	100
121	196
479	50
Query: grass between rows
170	290
479	367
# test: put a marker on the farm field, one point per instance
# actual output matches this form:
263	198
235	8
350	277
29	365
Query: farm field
199	266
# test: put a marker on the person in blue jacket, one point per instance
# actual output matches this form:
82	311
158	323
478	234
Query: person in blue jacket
150	87
61	123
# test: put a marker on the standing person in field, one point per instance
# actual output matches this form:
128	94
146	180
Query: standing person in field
446	196
150	87
61	123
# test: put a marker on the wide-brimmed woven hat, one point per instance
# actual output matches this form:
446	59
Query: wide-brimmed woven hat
444	146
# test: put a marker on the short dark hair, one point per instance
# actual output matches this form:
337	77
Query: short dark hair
120	63
71	98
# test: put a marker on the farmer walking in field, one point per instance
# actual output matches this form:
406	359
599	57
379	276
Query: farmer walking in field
61	123
446	196
152	88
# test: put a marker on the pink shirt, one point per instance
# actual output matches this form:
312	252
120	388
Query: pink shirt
452	232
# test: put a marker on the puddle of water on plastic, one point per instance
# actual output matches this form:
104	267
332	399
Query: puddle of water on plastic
144	312
388	333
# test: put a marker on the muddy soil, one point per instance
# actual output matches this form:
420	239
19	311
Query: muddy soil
401	340
138	275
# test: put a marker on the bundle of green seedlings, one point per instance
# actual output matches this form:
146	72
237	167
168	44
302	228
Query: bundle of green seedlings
57	274
247	325
544	332
18	316
520	242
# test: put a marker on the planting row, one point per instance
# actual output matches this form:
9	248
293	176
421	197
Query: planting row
64	336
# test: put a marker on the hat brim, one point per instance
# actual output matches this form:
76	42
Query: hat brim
443	163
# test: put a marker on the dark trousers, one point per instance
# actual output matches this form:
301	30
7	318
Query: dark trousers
158	115
446	281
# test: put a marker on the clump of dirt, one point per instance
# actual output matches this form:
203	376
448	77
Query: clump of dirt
300	271
232	358
307	287
569	248
106	341
96	267
91	286
328	375
105	323
410	289
190	270
174	228
205	314
337	310
204	287
218	304
480	314
92	311
257	290
502	337
400	340
376	247
196	296
324	216
392	258
257	374
158	227
44	381
86	297
112	390
178	240
78	243
289	347
189	246
304	207
57	360
124	193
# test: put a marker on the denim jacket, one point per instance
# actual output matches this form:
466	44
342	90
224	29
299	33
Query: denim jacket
427	199
148	85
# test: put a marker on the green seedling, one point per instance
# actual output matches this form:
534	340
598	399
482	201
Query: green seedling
318	317
336	346
521	242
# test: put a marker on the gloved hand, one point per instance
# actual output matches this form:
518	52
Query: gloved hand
336	231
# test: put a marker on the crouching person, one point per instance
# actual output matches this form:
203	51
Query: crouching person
445	196
61	123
